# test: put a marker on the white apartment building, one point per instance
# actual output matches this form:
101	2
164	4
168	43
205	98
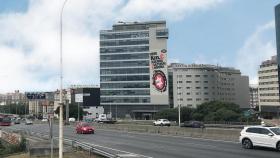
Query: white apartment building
269	86
194	84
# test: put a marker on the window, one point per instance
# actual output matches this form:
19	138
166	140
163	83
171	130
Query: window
188	87
188	75
197	87
265	131
197	75
189	82
205	81
197	81
254	130
275	130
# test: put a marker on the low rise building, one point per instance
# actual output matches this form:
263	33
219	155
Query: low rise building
194	84
254	96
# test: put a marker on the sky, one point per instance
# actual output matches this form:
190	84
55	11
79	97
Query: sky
230	33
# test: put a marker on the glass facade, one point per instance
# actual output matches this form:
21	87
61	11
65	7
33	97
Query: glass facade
134	77
277	27
124	65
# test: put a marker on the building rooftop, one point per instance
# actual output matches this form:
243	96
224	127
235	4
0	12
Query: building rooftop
122	25
203	66
273	60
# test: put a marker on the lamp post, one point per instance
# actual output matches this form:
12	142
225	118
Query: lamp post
179	105
60	95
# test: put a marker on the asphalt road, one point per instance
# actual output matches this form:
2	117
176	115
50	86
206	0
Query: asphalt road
156	146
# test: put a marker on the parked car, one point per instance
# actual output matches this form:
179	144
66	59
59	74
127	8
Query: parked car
28	122
83	128
193	124
162	122
260	136
72	119
17	121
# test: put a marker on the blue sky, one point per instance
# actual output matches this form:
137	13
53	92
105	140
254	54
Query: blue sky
235	33
220	31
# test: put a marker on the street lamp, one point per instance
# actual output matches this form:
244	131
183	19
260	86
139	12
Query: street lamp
179	104
60	95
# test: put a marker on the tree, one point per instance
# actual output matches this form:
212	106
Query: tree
73	111
217	111
172	114
19	109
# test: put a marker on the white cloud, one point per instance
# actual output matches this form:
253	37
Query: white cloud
256	49
175	60
170	9
29	41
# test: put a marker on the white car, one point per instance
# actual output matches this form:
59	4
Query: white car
72	119
44	120
28	122
162	122
260	136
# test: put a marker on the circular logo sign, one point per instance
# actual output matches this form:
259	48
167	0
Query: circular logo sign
159	81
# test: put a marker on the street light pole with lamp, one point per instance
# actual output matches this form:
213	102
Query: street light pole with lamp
61	87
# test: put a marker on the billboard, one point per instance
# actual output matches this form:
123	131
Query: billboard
158	77
35	95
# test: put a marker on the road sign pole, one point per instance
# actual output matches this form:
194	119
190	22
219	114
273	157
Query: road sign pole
51	135
78	111
67	112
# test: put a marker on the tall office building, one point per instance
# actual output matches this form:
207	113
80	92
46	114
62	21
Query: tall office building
277	28
195	84
133	69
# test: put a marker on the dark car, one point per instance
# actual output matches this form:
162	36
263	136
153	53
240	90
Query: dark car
193	124
84	128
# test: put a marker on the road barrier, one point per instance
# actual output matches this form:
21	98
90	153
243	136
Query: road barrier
90	148
207	133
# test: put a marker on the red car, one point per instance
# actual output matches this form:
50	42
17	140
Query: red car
83	128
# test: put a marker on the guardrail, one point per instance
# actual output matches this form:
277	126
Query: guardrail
91	149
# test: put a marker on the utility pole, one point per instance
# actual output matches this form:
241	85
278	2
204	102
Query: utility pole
67	112
179	105
78	111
